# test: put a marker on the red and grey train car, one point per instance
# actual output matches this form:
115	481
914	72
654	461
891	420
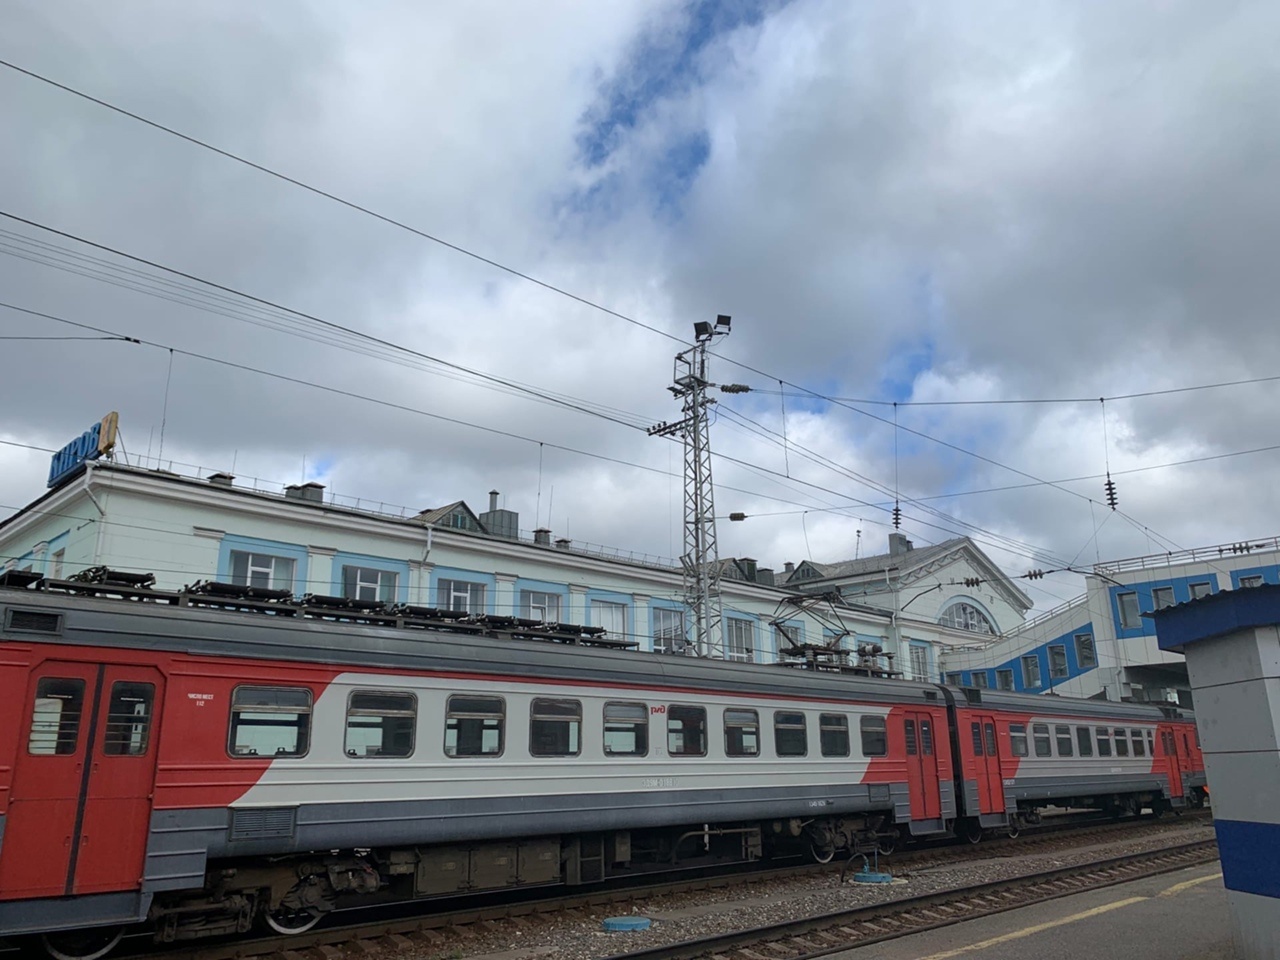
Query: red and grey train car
199	764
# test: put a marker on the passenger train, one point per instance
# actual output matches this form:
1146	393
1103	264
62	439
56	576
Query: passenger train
200	761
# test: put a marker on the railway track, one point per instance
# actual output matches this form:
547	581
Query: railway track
821	936
450	929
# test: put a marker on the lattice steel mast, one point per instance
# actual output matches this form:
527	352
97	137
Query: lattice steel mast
700	562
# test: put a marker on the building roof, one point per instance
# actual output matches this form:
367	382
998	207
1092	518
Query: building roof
877	563
1216	615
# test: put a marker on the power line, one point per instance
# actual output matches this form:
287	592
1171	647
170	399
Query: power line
339	200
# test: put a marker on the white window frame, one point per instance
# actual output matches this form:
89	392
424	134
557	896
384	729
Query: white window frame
1253	580
1129	622
980	679
540	605
1162	597
56	561
462	596
1085	641
610	610
1029	661
1004	674
739	640
918	654
1200	589
378	583
271	564
1065	672
668	628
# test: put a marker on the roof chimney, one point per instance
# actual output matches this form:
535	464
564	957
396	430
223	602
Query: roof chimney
221	479
899	544
788	567
311	491
542	536
562	543
493	500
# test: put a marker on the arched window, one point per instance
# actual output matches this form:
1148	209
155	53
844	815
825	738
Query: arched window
965	616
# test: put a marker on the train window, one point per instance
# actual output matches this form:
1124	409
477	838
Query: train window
990	730
555	728
1040	733
626	729
1122	743
1018	739
1151	745
909	730
55	720
1104	741
875	740
741	733
1138	749
270	722
380	724
1062	733
833	732
128	719
1084	741
926	737
686	731
474	726
976	730
790	734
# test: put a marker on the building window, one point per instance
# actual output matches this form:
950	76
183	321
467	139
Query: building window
1251	581
953	679
380	724
368	583
1004	679
668	630
1086	655
919	662
980	679
1058	662
965	616
1201	590
1128	610
1031	671
460	595
55	564
741	733
474	726
537	605
626	729
686	731
738	640
611	616
790	735
261	570
555	728
1162	597
270	721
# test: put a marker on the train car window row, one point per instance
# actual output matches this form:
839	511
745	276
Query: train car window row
276	722
1059	742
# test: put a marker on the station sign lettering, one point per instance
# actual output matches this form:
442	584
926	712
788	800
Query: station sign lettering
93	443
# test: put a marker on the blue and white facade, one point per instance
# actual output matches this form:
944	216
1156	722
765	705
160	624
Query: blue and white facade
185	529
1103	644
1231	641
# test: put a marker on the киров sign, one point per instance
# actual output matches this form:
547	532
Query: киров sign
93	443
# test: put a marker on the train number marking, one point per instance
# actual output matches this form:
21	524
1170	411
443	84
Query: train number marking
656	782
201	699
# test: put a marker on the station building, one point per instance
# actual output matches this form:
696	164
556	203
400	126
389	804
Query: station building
1103	644
213	526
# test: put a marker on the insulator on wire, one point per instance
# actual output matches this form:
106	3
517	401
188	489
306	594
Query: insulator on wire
897	515
972	581
1112	497
1035	574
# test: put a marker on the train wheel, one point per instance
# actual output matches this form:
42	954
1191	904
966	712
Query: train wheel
82	944
1014	830
886	845
290	922
822	853
972	831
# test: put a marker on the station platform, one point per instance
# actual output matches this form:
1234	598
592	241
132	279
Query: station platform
1176	916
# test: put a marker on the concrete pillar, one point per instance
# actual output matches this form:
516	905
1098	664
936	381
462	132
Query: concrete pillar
640	621
577	612
420	583
1232	644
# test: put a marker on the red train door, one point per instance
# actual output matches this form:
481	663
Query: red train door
922	766
80	802
1176	764
986	758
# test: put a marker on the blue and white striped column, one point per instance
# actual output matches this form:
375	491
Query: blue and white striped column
1232	644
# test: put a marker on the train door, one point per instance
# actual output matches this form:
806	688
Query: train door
80	802
922	766
986	758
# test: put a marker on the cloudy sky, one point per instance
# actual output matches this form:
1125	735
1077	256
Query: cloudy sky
918	203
